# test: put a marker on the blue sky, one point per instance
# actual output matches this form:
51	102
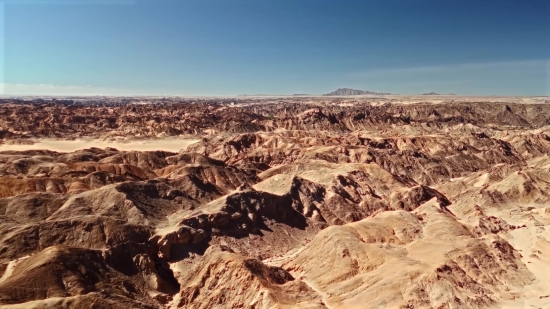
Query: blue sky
229	47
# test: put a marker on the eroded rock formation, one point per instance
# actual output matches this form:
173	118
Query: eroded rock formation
294	203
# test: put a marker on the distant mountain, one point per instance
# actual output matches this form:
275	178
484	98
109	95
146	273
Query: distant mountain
435	93
348	91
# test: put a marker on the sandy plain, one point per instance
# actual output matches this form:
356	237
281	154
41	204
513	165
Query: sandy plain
60	145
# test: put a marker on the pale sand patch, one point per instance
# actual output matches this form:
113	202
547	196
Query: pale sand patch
11	267
167	144
533	242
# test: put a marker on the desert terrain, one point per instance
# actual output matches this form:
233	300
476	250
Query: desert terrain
372	201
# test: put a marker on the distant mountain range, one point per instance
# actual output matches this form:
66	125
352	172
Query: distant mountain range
435	93
349	91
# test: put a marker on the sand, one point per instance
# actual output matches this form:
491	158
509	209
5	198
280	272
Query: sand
167	144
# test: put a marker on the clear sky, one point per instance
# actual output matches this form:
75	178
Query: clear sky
230	47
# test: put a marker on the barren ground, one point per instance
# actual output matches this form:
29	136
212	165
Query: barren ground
264	202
